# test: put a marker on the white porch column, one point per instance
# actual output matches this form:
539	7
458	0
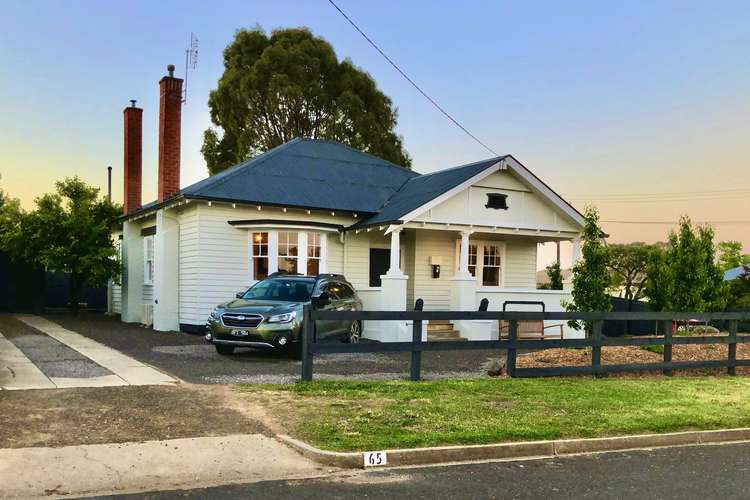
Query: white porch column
166	273
395	268
393	297
463	256
464	288
132	273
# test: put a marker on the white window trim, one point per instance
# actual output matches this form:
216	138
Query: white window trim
149	280
273	249
480	261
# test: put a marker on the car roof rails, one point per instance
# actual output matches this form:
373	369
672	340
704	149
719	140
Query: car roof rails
331	275
283	273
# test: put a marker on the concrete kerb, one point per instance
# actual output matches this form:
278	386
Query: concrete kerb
519	450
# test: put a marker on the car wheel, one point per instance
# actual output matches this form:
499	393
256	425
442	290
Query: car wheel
355	333
224	349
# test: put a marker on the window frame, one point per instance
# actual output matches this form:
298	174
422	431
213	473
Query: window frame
148	277
273	249
479	268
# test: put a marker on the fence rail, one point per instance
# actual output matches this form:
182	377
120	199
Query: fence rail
311	348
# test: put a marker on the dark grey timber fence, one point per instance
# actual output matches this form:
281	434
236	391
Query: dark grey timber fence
311	348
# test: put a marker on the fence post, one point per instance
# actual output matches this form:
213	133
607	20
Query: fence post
416	338
667	327
732	368
308	328
596	347
510	364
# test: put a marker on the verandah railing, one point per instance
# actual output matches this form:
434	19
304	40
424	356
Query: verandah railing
311	347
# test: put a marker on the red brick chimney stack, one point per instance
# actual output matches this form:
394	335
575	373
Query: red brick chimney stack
170	117
133	161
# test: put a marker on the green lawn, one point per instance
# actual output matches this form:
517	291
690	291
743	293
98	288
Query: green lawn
376	415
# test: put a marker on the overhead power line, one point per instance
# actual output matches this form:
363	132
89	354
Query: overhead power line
419	89
671	222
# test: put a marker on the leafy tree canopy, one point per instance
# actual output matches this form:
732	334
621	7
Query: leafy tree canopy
628	263
686	277
68	232
731	256
291	84
591	277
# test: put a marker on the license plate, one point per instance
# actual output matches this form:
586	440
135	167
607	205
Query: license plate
238	333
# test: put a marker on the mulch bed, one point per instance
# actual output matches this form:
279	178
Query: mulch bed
616	355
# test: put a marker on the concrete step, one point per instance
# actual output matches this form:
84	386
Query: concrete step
444	336
440	327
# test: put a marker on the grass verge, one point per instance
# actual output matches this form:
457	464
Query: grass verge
346	416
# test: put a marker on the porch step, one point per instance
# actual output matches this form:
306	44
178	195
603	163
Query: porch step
443	335
439	327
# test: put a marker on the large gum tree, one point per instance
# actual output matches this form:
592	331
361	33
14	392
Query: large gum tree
291	84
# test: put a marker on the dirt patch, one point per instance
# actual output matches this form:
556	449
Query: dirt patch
616	355
62	417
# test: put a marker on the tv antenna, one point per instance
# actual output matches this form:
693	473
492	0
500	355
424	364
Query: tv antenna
191	61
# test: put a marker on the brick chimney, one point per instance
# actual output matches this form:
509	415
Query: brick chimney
170	117
133	160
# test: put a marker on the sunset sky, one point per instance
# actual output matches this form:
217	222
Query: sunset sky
640	108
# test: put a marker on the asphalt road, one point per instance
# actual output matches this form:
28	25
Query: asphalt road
190	358
680	473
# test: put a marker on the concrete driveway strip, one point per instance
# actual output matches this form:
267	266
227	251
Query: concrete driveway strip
130	370
129	467
17	371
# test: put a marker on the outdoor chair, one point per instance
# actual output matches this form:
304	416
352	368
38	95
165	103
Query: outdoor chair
530	329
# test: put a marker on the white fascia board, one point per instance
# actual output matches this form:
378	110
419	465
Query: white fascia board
450	193
308	227
540	187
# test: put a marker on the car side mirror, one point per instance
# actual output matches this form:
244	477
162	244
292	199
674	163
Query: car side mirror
322	300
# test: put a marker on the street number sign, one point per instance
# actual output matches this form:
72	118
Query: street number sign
375	458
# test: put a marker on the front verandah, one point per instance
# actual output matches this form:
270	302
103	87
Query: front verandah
454	268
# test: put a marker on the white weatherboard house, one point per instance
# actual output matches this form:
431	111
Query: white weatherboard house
451	238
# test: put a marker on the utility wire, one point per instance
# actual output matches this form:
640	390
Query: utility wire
432	101
665	222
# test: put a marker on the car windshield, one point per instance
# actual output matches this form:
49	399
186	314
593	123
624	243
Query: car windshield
285	290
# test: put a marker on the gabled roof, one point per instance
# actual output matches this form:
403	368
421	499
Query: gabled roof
421	189
305	173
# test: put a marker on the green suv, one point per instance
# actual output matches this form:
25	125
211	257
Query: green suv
269	314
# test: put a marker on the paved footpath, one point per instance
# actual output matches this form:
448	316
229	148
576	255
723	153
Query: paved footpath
700	472
55	357
174	463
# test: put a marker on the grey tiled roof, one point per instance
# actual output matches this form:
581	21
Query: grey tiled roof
326	175
421	189
307	173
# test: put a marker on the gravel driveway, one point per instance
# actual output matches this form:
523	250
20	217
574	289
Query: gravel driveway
191	359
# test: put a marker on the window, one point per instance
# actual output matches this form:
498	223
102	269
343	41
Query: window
288	251
288	290
260	256
148	260
497	201
491	266
473	259
345	291
313	254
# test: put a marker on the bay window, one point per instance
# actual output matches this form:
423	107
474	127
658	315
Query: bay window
273	250
313	254
288	251
260	255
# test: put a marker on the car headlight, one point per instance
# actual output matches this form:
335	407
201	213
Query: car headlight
283	318
214	315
